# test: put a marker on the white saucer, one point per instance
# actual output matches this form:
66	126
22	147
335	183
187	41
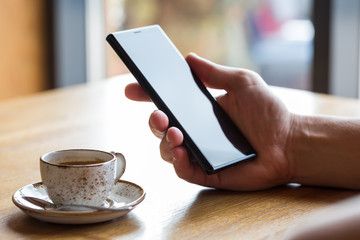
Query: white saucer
124	192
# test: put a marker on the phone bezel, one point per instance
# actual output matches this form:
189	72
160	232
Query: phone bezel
188	142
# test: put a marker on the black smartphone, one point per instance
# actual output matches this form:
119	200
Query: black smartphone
209	133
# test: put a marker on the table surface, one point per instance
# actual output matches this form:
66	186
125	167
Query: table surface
98	116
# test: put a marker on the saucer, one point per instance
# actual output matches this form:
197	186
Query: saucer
124	193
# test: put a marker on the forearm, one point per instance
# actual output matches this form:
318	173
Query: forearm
325	151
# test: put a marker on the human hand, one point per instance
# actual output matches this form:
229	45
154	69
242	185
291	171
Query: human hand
262	118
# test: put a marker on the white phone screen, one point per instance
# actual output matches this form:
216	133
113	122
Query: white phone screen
167	72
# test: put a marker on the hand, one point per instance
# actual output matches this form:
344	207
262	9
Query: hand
262	118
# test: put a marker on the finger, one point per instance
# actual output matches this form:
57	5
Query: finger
221	77
213	75
158	123
165	151
186	169
230	179
134	91
235	178
183	166
174	138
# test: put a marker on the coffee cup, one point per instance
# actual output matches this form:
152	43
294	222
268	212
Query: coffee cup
80	176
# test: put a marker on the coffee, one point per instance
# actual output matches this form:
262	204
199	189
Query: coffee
80	176
95	161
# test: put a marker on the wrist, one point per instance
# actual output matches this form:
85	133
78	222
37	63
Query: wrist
323	151
296	145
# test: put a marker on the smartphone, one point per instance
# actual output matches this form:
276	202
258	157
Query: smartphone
209	133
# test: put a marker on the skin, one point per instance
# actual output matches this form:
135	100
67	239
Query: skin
290	147
244	88
310	150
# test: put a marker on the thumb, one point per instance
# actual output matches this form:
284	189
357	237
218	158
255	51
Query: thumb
221	77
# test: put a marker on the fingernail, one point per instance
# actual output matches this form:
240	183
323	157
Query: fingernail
167	138
157	133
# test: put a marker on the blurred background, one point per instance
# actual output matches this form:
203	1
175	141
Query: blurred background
304	44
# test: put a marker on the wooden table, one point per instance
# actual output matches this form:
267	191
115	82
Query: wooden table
99	116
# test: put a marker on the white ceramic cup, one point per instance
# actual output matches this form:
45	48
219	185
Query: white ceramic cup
80	176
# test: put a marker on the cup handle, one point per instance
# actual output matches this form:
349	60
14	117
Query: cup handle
120	165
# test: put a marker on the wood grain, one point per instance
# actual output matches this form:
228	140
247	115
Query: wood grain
99	116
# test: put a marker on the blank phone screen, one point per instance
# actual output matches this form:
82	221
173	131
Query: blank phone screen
199	116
